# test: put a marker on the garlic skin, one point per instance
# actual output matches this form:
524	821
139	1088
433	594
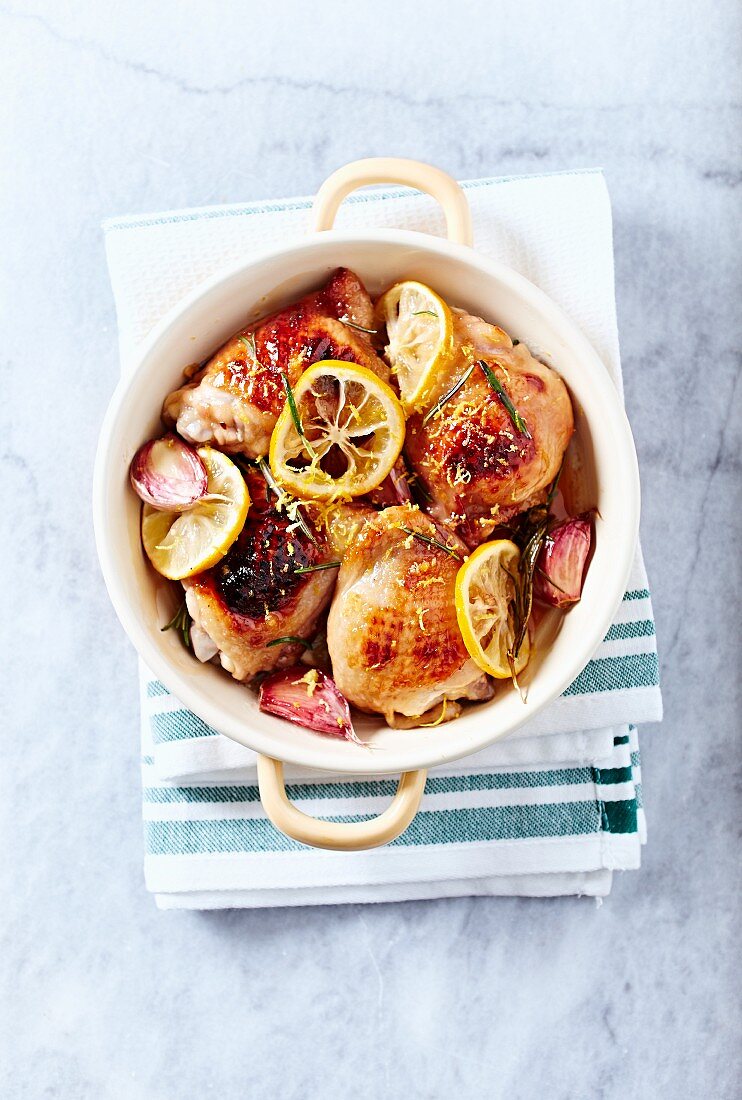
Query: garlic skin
560	569
168	474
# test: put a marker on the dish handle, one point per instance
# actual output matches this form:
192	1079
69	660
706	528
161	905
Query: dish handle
357	835
411	173
336	835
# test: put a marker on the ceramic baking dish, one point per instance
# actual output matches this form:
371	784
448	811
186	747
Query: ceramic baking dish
603	474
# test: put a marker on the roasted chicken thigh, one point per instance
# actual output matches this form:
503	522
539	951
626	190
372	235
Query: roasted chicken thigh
392	632
255	595
476	465
234	401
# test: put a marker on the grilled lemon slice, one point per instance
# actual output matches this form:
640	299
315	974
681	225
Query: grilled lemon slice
419	329
338	435
485	591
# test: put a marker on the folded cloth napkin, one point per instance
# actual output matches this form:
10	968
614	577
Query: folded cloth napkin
552	810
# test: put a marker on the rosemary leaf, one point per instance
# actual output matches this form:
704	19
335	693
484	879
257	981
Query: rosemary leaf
417	487
292	404
431	542
554	485
534	534
447	396
546	577
181	621
425	313
249	342
272	485
295	415
510	408
352	324
316	568
304	527
289	639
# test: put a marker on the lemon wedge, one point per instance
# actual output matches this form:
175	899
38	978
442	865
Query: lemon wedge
485	591
419	328
339	433
180	544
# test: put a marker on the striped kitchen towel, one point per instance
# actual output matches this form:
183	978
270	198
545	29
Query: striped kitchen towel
552	810
526	829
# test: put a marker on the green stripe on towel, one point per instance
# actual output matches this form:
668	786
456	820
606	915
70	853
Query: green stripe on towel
178	725
640	628
633	670
621	816
429	827
380	788
614	775
376	788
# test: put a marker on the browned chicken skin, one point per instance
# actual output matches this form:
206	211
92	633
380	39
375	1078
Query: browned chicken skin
254	595
235	400
392	633
472	460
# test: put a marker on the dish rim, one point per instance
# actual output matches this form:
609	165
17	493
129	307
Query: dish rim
317	755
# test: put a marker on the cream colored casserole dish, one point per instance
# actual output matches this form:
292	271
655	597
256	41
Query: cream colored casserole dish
603	475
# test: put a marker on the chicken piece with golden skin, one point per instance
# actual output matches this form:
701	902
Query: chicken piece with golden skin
234	401
254	596
392	634
478	467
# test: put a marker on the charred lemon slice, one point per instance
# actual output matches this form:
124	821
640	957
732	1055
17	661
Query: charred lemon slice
485	594
338	435
180	544
419	330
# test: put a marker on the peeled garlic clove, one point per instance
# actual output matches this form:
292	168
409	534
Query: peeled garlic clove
560	568
308	698
168	474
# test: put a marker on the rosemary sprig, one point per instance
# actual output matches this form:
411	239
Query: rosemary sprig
531	539
181	621
431	542
271	486
447	396
352	324
510	408
249	342
417	486
316	568
285	498
287	640
546	577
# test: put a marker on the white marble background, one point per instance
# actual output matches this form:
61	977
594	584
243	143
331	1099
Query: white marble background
108	109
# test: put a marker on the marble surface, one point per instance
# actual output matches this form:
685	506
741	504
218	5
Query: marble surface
135	107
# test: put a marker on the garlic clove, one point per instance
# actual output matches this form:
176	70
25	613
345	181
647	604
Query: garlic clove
309	698
560	569
168	474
